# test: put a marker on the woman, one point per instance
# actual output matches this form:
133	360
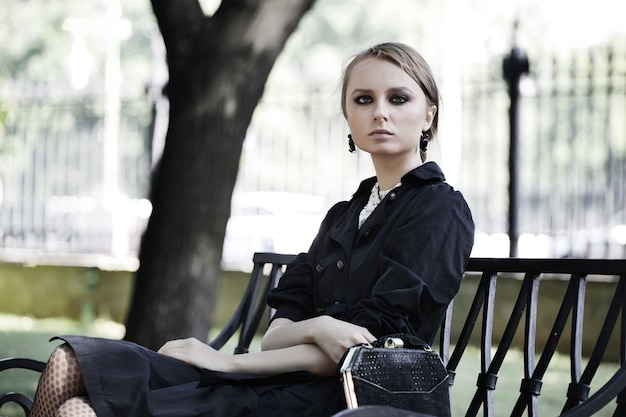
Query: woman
387	261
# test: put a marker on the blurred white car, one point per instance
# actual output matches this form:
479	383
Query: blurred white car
269	222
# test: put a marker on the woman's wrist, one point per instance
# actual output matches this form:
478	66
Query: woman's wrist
315	326
233	364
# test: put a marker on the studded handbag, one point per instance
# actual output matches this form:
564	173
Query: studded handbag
400	371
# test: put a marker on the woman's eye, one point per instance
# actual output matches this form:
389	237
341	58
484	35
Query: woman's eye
363	100
398	99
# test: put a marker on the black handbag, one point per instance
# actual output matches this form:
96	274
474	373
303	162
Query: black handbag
400	371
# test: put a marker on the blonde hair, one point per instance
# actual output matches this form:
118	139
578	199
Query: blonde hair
410	61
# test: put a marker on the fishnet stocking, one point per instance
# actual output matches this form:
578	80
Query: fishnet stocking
76	407
60	383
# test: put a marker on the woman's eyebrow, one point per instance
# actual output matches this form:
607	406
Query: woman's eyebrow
400	90
389	90
361	91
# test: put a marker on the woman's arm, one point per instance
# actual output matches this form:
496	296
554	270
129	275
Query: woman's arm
315	345
303	357
331	335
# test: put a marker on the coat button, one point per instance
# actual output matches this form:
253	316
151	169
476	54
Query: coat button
392	196
319	310
319	268
340	265
367	232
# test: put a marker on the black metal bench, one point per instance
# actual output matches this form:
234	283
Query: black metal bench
523	316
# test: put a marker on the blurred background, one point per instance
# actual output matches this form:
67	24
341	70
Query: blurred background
83	121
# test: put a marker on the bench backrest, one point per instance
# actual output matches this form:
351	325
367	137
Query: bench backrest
479	317
578	272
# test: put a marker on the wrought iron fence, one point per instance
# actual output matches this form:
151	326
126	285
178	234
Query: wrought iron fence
572	153
52	195
572	179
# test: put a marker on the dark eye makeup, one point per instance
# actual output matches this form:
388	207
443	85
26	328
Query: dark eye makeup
394	99
363	100
398	99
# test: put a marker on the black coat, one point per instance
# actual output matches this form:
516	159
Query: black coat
398	272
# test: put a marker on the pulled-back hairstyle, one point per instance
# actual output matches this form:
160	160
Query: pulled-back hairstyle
410	61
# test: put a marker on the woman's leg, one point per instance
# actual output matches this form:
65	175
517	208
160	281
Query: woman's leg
61	381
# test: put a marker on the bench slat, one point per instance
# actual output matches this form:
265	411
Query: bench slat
584	379
529	386
524	302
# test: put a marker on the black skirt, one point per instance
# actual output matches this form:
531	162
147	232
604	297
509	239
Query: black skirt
125	379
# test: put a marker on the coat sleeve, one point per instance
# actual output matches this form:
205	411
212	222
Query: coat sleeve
421	268
294	297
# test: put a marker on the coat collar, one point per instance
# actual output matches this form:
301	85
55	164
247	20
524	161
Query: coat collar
345	231
428	172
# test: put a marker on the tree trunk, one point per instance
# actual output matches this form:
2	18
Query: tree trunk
218	68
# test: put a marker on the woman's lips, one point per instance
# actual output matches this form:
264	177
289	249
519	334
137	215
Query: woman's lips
380	132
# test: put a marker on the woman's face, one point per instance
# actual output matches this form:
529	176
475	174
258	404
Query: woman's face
386	109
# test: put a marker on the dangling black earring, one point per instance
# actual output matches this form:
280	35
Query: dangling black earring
351	146
424	141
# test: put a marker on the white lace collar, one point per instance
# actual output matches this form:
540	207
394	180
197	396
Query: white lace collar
376	196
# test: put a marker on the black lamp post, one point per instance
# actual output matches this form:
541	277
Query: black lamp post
515	65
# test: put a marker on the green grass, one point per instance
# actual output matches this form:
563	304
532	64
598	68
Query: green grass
23	337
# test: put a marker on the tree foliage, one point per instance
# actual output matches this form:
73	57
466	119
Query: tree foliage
35	48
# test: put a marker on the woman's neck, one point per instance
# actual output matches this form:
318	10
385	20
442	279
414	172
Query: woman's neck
389	171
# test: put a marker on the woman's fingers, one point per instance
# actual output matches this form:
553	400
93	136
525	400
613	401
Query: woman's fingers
172	346
191	351
335	336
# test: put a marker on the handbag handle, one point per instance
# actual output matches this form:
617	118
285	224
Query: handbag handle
401	340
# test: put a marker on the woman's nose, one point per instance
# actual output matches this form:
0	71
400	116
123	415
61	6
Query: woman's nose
380	112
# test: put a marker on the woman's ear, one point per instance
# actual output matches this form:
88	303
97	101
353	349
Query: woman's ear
430	116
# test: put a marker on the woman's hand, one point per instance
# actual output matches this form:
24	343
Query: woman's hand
331	335
335	336
198	354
